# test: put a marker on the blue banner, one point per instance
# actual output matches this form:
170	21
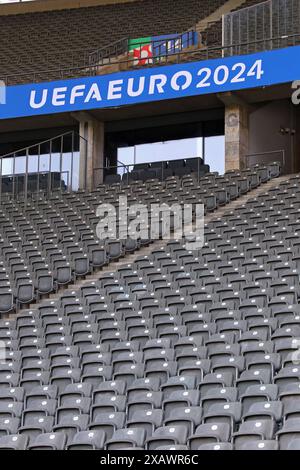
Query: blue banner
172	43
153	84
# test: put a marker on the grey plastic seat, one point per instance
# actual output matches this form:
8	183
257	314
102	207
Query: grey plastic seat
260	429
167	435
190	417
71	424
108	422
75	390
12	394
146	420
143	400
290	432
215	380
293	445
108	389
121	438
37	425
73	405
49	441
218	395
12	409
39	409
287	375
178	383
111	404
41	392
256	393
6	302
13	442
252	377
230	412
258	445
62	378
209	433
265	410
88	440
9	426
197	368
216	446
173	447
151	384
129	373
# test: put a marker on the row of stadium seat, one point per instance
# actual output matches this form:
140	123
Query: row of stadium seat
49	243
35	182
161	170
178	350
72	33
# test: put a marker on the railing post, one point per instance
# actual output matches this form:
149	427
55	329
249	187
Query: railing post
271	23
38	172
72	163
1	176
14	182
26	177
50	166
223	34
61	162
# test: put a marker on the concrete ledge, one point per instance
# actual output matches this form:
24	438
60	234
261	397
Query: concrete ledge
51	5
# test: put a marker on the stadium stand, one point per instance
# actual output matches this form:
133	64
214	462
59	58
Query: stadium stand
50	242
161	170
60	39
113	343
171	351
51	44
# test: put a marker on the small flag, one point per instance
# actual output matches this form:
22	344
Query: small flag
141	50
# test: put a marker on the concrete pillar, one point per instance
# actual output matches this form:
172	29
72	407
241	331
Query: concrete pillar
236	130
236	136
91	151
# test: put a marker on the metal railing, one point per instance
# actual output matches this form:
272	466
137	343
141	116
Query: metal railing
40	169
163	47
197	54
278	18
125	170
101	55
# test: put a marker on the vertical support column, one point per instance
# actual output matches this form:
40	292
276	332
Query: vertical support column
236	136
83	142
91	152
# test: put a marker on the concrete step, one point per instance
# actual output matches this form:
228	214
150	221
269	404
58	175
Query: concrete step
229	6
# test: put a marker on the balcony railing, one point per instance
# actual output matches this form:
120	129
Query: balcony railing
41	168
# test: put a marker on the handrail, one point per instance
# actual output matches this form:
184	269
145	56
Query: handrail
234	49
103	51
42	143
132	165
123	43
63	165
123	164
